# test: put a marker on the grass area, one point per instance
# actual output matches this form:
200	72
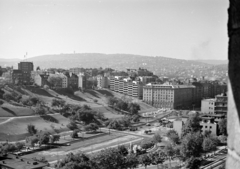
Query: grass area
39	91
85	146
16	129
69	93
8	110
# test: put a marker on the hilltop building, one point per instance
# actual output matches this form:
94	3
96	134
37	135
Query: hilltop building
26	68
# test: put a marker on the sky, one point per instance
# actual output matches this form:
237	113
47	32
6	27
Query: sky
183	29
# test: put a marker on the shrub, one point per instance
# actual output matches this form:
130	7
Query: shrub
19	145
74	134
31	129
147	143
72	125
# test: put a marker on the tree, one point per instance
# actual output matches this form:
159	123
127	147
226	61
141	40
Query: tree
40	110
147	143
135	118
19	145
31	129
31	141
157	157
55	80
122	150
54	138
114	124
157	138
222	138
86	116
109	159
192	124
222	124
91	127
145	160
173	136
58	103
131	161
76	161
208	144
38	68
191	145
43	137
193	163
72	125
169	151
8	97
74	134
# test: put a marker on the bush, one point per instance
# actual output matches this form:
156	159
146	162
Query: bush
74	134
31	129
72	125
19	145
8	97
147	143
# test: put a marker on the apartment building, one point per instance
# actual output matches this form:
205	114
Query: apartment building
82	81
208	124
168	96
208	106
64	80
17	76
76	70
70	80
126	86
218	105
102	82
41	79
26	68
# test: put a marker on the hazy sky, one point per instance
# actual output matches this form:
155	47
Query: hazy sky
186	29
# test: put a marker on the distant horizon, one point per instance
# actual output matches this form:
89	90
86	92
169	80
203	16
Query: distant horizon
105	54
181	29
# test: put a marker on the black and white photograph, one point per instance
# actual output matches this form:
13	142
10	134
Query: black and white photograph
119	84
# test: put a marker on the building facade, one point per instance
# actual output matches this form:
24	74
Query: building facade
168	96
126	86
26	68
17	76
102	82
218	105
41	80
82	81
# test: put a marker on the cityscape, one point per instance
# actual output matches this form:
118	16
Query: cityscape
118	85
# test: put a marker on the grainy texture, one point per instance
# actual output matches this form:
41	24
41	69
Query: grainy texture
233	160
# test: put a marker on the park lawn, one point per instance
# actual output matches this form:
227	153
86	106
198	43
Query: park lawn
16	128
8	110
60	152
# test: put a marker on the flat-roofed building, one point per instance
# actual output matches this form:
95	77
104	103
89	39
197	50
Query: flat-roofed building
26	68
168	96
102	82
126	86
208	106
217	105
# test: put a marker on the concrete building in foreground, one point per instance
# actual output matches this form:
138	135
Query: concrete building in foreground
168	96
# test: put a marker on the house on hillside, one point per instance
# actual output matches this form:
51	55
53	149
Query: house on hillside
72	80
41	80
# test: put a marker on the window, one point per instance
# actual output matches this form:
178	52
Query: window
205	126
210	127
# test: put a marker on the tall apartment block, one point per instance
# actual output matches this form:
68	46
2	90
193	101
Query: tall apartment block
168	96
26	68
126	86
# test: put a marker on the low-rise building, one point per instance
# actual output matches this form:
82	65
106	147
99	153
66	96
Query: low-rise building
64	80
208	124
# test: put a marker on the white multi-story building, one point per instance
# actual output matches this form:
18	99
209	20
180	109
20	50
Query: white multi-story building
126	86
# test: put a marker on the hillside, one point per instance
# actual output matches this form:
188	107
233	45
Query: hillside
161	66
